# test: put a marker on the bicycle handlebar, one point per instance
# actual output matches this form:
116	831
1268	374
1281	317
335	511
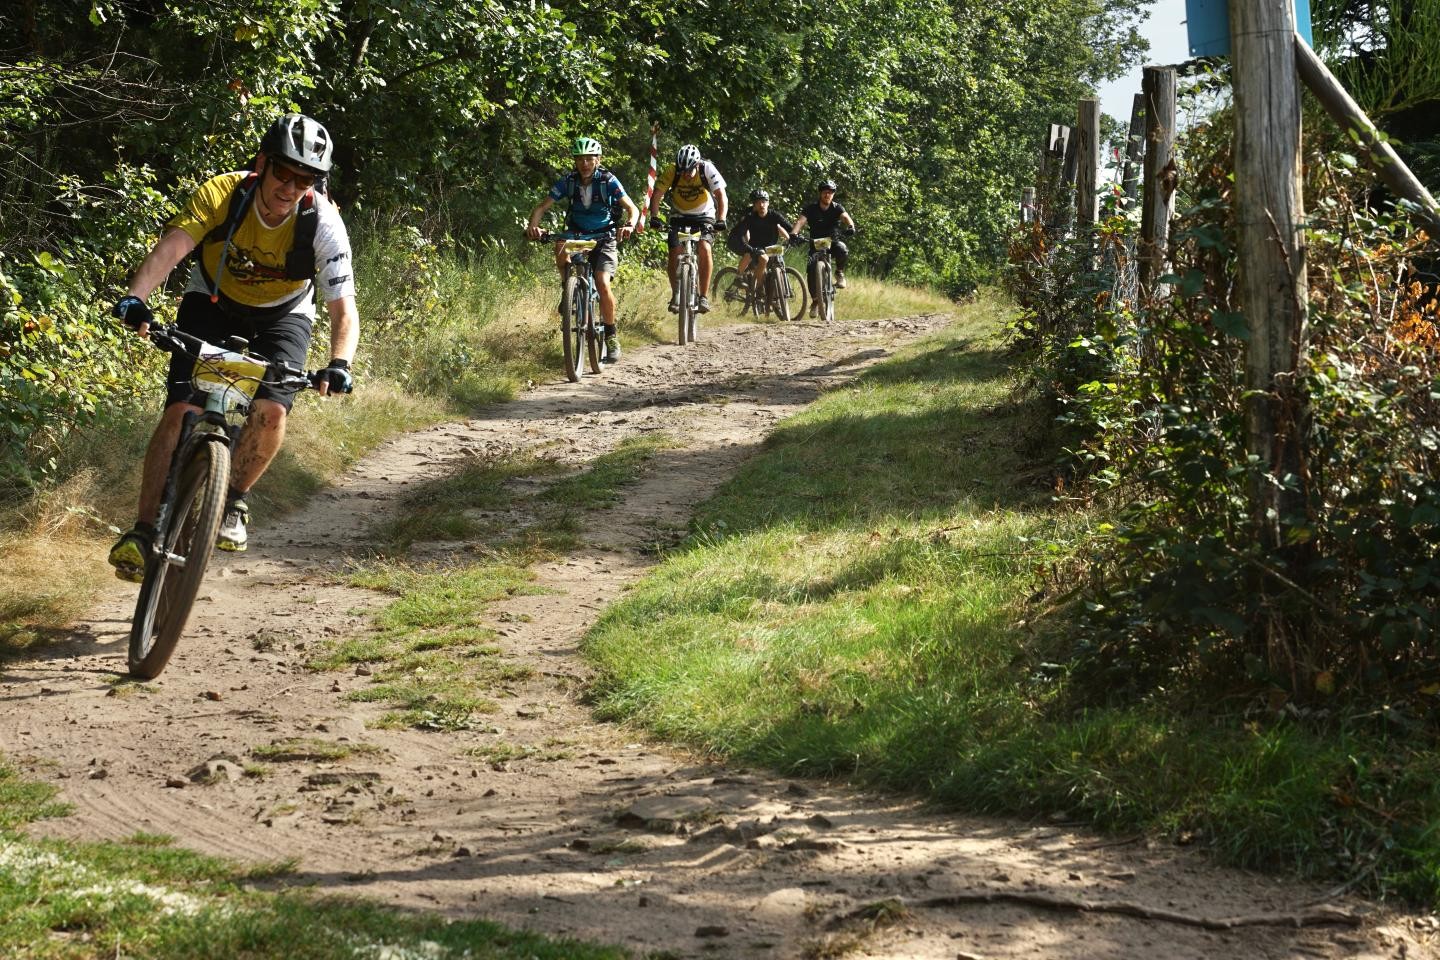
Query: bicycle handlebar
171	339
548	237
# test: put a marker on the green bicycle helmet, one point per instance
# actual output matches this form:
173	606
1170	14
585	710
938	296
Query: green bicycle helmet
585	147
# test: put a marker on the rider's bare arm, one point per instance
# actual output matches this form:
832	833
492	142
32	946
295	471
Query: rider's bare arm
722	204
173	247
344	329
633	213
532	230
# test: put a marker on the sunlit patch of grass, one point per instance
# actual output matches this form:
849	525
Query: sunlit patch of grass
498	754
311	749
452	507
601	480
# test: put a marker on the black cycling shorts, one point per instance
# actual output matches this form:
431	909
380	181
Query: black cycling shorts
706	226
284	339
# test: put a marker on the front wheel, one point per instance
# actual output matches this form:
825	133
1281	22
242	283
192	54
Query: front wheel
728	292
824	293
592	335
685	321
794	294
572	326
173	575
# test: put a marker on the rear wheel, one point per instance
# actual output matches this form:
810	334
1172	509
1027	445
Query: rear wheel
572	327
173	577
824	292
686	288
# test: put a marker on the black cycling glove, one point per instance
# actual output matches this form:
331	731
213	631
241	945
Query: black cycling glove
133	312
337	375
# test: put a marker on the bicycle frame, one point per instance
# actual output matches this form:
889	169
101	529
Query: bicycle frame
580	326
193	496
825	287
687	278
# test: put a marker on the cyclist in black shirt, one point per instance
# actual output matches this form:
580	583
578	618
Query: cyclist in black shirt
758	229
824	216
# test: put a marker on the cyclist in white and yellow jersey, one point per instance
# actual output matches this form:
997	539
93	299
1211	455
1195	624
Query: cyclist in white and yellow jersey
697	197
267	241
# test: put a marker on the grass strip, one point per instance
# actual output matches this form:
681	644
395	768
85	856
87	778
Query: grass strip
144	897
853	603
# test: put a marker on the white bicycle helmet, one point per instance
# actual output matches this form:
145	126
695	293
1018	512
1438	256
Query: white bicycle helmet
299	141
687	157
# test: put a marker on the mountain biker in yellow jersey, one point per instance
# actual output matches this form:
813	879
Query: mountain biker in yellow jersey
824	216
755	231
593	193
697	194
267	241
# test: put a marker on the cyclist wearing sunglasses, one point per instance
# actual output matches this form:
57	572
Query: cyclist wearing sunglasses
266	242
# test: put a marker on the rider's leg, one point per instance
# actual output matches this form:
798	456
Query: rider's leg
264	433
758	271
706	261
607	301
842	256
672	267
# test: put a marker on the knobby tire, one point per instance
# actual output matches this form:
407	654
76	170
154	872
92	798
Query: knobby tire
799	296
592	333
572	327
168	592
685	322
727	292
825	292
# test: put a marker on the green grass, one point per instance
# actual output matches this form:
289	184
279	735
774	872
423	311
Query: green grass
430	661
854	602
144	897
310	748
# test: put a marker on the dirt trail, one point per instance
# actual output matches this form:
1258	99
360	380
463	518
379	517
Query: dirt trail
599	843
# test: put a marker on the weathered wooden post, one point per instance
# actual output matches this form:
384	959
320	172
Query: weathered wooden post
1158	90
1087	178
1134	150
1052	190
1273	285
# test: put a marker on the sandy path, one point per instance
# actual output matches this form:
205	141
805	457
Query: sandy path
622	840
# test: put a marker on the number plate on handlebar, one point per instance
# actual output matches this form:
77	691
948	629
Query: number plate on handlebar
775	249
580	246
822	243
689	235
223	371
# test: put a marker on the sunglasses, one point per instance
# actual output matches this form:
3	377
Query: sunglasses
286	175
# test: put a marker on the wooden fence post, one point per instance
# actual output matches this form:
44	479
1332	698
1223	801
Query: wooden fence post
1134	150
1052	188
1272	283
1027	205
1087	179
1158	90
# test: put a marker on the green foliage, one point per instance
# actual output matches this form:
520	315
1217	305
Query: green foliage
1180	598
450	120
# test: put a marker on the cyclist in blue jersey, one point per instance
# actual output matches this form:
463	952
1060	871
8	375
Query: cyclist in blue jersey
593	193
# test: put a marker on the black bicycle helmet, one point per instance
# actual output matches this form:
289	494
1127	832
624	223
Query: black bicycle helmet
827	184
299	141
758	195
